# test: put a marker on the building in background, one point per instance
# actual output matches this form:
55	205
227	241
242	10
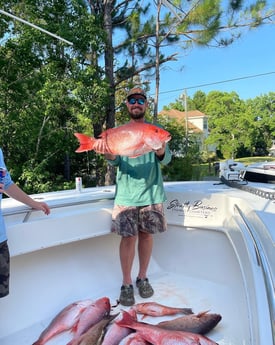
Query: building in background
197	125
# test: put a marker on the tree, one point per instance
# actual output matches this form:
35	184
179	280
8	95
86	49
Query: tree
262	111
226	121
57	85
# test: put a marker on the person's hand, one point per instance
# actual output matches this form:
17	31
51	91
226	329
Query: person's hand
161	151
110	156
41	206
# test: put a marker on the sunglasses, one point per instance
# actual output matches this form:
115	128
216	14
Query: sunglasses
140	101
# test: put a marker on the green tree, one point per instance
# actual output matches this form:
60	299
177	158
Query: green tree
228	126
262	113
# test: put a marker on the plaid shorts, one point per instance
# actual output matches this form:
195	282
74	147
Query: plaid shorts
129	220
4	269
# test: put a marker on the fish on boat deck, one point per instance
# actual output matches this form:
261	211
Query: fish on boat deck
200	323
77	317
156	309
132	139
91	315
158	336
95	333
115	333
65	320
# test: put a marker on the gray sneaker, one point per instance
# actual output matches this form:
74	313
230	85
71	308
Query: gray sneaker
127	295
144	288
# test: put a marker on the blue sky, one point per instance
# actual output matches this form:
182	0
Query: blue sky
253	54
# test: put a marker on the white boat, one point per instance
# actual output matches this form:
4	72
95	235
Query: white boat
231	170
259	172
217	255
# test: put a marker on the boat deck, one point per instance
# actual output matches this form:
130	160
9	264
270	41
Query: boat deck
207	260
182	278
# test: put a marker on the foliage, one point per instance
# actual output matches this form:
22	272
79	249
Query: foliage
180	169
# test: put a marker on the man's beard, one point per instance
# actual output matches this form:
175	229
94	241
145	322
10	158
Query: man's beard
137	116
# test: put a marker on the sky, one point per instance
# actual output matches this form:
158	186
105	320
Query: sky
251	55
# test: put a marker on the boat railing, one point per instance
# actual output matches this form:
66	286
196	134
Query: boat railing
28	211
263	263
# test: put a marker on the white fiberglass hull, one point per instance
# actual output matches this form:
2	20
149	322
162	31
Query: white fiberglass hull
206	260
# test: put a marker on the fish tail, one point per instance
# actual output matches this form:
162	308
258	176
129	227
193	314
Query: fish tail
86	142
187	311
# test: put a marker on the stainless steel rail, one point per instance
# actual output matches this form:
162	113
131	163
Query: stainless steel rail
29	211
263	263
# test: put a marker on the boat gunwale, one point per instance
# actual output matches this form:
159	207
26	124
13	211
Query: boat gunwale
263	264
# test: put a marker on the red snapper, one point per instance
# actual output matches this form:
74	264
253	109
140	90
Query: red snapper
65	320
132	139
158	336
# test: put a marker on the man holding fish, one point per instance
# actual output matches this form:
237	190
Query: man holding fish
138	211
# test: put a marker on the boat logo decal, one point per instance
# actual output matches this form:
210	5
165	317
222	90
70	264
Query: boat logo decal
195	208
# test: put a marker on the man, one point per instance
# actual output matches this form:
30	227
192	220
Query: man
11	189
138	211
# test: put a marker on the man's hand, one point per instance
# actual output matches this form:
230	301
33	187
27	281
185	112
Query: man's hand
161	152
110	156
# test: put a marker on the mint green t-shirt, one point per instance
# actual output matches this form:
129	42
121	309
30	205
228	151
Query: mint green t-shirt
139	180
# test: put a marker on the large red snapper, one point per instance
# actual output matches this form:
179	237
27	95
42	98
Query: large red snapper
158	336
90	316
156	309
132	139
65	320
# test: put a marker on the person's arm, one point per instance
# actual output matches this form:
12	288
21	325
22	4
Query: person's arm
18	194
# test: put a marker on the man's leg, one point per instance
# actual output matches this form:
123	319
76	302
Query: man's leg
145	246
127	254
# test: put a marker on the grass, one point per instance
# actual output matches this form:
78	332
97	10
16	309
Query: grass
251	160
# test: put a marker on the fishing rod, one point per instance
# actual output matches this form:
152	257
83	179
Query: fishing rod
35	27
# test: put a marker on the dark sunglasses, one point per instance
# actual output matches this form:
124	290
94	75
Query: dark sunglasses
140	101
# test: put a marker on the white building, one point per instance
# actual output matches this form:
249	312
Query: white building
197	124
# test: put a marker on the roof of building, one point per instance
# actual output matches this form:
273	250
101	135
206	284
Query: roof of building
181	116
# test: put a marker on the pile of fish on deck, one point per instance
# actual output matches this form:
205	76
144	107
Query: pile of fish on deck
91	323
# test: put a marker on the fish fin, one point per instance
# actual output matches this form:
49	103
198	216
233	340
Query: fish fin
86	142
74	328
133	313
126	320
202	313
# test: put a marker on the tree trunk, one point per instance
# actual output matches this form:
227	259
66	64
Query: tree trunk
109	70
157	63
